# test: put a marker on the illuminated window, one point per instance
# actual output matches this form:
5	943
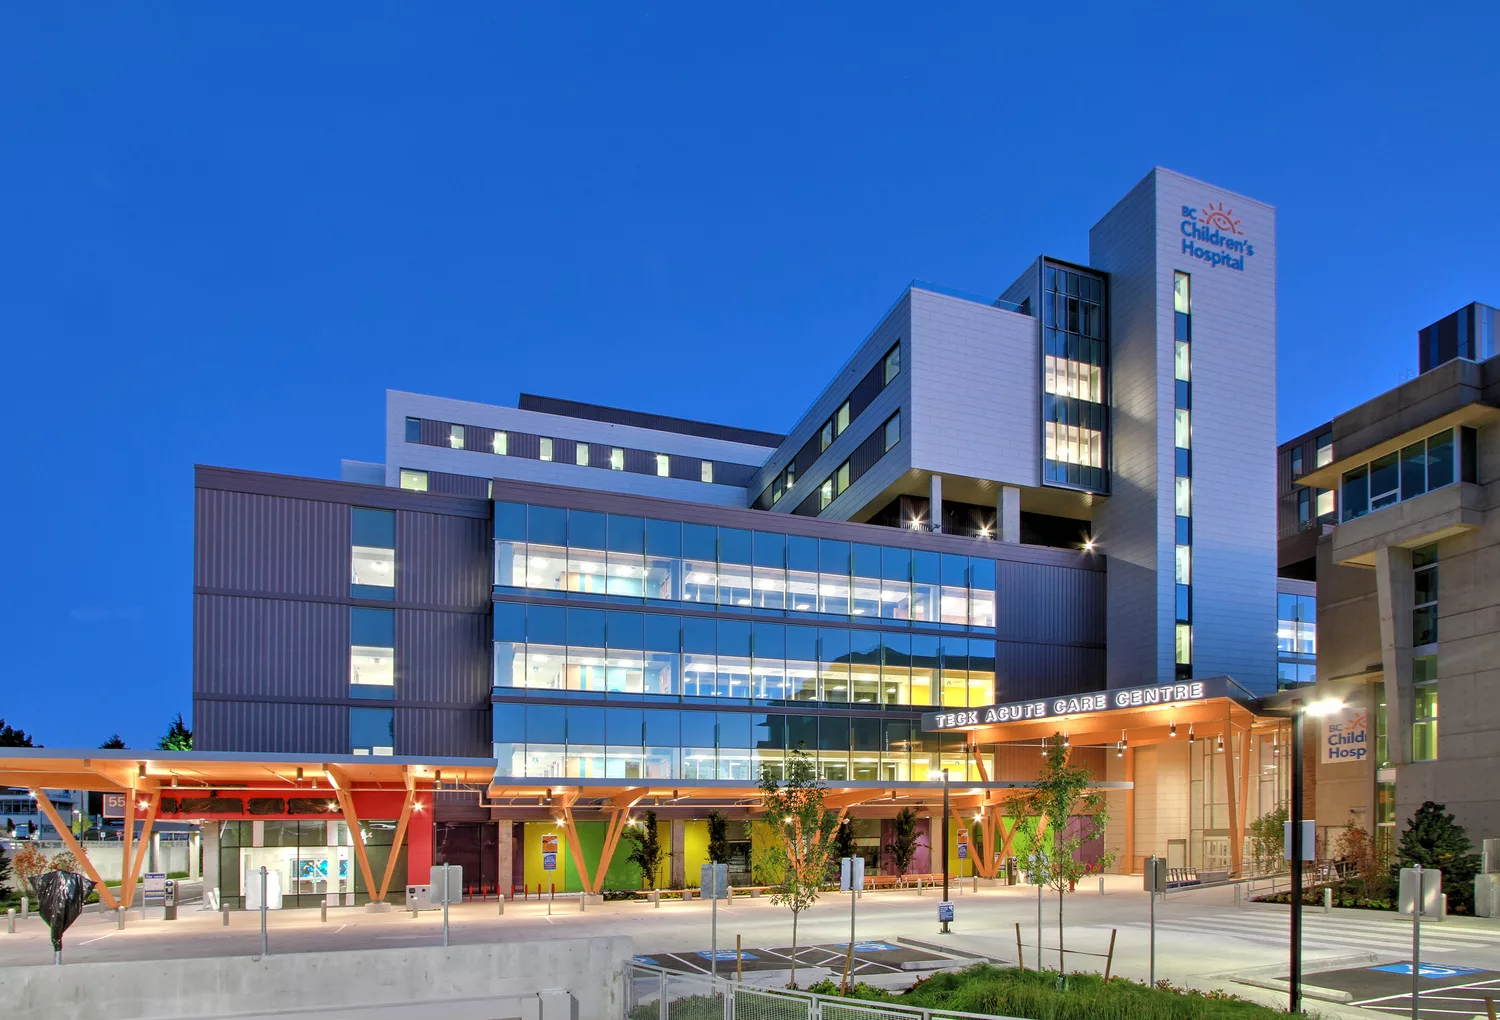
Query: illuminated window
892	430
1424	727
372	556
501	443
663	465
617	459
1184	644
1184	498
581	454
1182	369
892	363
1181	298
1076	379
546	453
1071	444
841	419
1325	449
825	436
776	490
1184	564
1325	502
372	653
416	481
456	436
372	731
1184	430
706	471
841	478
825	493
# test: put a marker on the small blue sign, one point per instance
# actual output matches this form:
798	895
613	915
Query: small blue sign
868	947
945	910
549	862
963	851
645	961
1428	970
725	954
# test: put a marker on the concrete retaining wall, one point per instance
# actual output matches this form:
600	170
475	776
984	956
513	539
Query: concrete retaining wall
485	982
108	857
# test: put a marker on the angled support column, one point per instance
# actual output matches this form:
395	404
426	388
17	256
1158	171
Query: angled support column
1235	840
66	835
343	791
396	843
1130	811
128	881
620	814
570	830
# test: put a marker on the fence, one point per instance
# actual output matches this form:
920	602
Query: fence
657	994
1107	957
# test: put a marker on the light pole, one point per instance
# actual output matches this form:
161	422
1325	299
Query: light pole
945	844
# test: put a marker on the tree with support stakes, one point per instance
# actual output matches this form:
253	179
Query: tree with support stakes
797	856
902	848
645	848
1062	793
718	838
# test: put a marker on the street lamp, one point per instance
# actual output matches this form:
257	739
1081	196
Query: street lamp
945	844
1293	703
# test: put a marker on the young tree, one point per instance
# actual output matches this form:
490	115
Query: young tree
10	737
114	743
178	738
904	840
1266	840
718	838
805	837
645	848
1434	840
1062	795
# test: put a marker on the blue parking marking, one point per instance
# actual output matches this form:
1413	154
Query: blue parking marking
1428	970
725	954
645	961
868	947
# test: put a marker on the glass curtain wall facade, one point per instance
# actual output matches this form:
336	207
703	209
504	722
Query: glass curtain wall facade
700	630
1182	304
1296	639
1075	379
315	858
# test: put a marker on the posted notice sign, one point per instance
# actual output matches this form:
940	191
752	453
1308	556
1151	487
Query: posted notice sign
549	851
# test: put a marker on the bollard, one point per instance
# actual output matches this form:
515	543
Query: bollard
10	920
120	918
1237	894
656	898
225	911
1328	899
501	897
583	899
25	907
1101	883
323	910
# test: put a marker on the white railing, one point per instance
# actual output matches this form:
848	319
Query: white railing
658	994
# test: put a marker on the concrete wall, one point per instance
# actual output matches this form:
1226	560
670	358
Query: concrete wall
107	857
485	982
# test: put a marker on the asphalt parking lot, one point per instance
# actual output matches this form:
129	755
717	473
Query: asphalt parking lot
871	957
1445	992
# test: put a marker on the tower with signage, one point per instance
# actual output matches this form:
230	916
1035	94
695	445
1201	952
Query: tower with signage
1189	526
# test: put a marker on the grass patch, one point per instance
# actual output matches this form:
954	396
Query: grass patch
1036	995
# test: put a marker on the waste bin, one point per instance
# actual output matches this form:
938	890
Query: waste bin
1011	870
169	902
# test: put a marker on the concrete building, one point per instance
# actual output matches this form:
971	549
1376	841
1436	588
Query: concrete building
1408	601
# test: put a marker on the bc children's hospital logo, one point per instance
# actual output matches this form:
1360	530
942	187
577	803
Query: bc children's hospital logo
1213	235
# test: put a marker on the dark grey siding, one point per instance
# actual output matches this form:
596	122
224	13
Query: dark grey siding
270	727
640	419
1025	670
270	648
443	732
1050	603
443	658
257	543
271	613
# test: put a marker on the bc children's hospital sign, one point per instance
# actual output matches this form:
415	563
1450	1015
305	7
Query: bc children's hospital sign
1051	708
1213	235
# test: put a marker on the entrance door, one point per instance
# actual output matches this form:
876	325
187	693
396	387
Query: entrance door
1177	853
470	845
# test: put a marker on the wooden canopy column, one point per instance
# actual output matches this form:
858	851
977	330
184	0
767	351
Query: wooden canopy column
342	790
66	835
406	808
575	847
143	844
621	807
1129	847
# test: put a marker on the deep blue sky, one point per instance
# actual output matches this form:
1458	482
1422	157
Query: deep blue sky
228	228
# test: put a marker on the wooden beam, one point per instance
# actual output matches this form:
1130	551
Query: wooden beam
129	843
1130	811
143	844
390	863
1236	846
66	835
570	830
624	804
343	791
1245	770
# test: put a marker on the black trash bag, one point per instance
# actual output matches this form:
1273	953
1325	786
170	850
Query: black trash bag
59	899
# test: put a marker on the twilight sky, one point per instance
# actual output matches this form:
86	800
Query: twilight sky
228	228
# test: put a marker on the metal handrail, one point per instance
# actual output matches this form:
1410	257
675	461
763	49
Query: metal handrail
703	984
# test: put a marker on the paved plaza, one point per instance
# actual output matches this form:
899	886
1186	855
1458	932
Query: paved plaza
1203	940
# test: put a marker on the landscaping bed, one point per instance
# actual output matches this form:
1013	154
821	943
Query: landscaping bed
1036	995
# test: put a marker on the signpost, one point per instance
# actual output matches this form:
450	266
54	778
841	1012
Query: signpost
1418	887
1155	882
941	917
448	881
713	882
549	851
963	855
851	881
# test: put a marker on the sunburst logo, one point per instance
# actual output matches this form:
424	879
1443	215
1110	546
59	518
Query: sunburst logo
1221	218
